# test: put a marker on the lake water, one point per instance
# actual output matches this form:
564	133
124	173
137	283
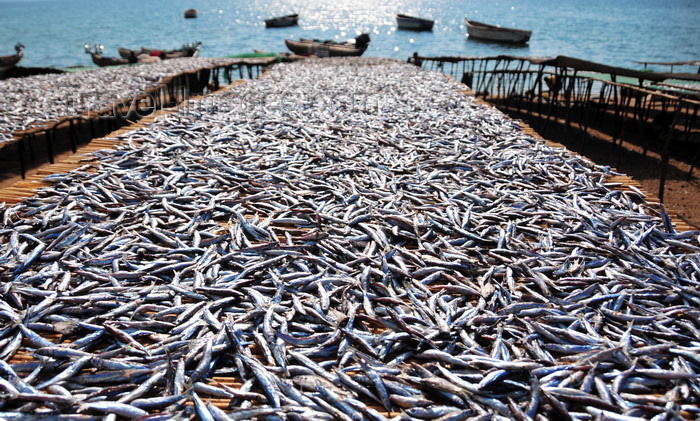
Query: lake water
614	32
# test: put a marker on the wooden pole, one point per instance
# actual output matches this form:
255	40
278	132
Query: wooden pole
49	144
73	136
20	155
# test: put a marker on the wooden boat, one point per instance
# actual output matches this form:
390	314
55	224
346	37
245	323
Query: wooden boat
127	53
95	52
7	61
282	21
190	13
413	23
496	33
187	50
308	47
103	61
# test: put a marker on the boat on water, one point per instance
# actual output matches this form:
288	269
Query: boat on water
8	61
188	50
282	21
190	13
308	47
413	23
488	32
101	60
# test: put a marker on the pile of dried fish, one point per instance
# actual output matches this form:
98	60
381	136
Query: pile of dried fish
345	239
41	99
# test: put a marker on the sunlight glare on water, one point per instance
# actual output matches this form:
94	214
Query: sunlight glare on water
615	33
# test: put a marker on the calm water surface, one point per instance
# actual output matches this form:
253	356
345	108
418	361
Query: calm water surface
615	32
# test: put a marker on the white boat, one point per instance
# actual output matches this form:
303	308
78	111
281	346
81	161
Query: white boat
413	23
496	33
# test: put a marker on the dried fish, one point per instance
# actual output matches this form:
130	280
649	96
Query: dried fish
338	237
41	100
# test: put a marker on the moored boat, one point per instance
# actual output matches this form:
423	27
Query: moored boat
282	21
103	61
100	60
414	23
190	13
307	47
488	32
187	50
7	61
343	50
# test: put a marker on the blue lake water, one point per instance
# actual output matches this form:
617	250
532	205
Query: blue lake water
615	32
